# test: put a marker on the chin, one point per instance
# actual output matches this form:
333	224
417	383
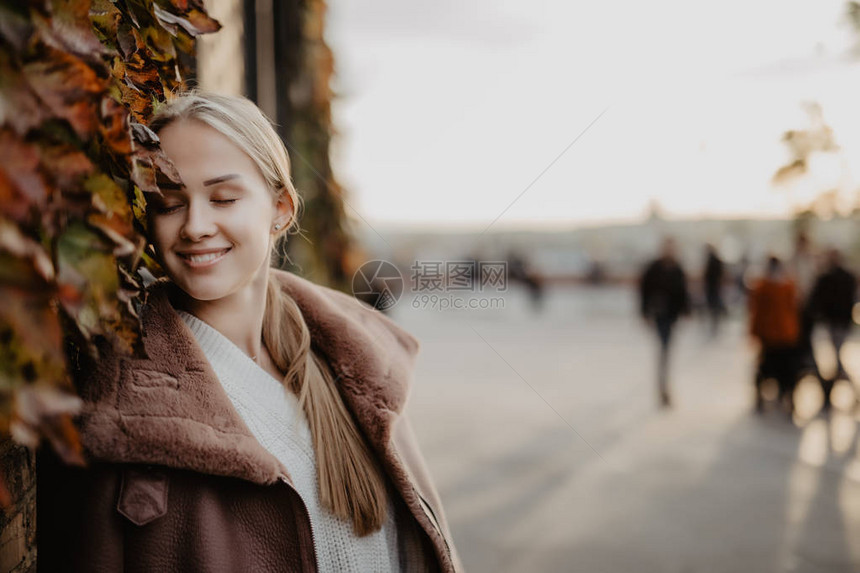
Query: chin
205	295
202	290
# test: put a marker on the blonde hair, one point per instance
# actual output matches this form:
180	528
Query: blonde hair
351	485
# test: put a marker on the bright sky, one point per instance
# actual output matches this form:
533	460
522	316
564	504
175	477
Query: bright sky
449	110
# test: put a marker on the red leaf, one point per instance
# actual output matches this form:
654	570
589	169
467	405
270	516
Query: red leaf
69	87
65	165
22	187
143	174
115	230
35	323
179	5
70	28
114	126
45	411
19	105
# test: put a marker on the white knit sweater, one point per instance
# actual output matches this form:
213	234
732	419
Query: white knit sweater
273	415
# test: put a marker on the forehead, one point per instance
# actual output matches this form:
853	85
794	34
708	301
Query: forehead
201	151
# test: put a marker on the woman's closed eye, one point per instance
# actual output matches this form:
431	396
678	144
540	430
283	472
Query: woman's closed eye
224	201
166	209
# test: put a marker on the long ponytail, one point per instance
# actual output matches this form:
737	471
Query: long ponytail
350	481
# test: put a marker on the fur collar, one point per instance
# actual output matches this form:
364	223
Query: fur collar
170	409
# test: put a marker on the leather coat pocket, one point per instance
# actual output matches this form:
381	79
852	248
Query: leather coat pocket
142	494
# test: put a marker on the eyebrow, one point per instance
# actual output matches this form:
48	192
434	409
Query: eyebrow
173	186
220	179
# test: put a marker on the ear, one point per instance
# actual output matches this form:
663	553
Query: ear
284	210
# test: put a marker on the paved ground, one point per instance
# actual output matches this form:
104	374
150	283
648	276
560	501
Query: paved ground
550	454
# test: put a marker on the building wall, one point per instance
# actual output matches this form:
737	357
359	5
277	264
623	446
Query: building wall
220	56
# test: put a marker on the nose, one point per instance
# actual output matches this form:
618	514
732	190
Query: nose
199	222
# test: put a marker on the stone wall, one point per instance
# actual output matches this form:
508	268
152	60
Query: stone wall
18	521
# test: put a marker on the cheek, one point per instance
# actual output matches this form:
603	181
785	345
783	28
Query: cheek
159	234
254	224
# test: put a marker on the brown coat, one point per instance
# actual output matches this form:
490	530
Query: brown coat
178	482
773	313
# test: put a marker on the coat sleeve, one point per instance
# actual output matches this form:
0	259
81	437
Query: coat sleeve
407	446
753	311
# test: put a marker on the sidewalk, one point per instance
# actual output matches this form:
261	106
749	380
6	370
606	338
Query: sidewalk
550	454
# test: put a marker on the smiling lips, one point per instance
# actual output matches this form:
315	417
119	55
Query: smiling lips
202	258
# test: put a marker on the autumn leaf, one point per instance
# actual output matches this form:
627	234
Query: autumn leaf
22	186
127	40
15	26
32	334
20	107
65	165
67	27
143	136
192	20
45	411
160	44
113	127
107	197
78	81
105	18
15	243
69	88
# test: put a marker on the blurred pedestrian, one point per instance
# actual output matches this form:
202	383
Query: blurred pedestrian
804	268
741	288
832	303
713	279
520	271
664	298
774	322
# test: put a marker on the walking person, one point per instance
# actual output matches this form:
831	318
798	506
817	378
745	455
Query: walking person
663	299
713	282
774	323
264	430
832	303
804	268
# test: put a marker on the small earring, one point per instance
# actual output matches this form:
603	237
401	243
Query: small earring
278	227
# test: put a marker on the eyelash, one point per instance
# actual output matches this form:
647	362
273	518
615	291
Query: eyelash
167	210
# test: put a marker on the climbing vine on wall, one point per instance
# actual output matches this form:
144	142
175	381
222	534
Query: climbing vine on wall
78	81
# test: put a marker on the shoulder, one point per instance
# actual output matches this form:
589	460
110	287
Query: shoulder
328	308
360	343
649	268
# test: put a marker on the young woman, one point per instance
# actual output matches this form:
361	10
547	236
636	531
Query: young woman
264	431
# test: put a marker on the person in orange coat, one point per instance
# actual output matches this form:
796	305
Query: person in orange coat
774	323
